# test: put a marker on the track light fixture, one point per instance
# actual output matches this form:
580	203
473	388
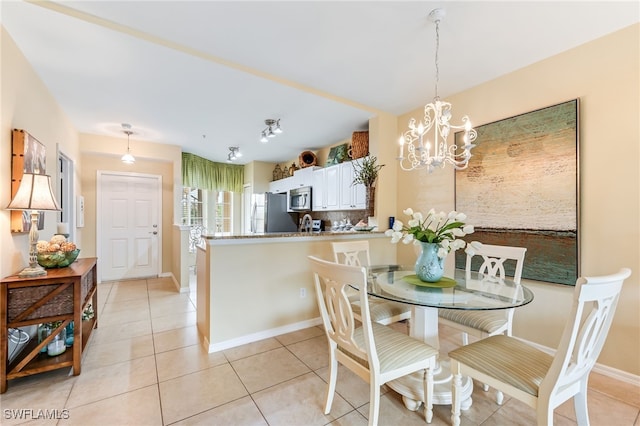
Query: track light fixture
127	158
234	154
273	128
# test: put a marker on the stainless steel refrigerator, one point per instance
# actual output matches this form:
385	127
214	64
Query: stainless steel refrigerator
269	214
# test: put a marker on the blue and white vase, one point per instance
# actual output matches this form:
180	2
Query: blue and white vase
429	267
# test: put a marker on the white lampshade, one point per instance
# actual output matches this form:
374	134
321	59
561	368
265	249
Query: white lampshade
34	193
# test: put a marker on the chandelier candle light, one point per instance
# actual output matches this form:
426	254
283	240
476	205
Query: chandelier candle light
424	152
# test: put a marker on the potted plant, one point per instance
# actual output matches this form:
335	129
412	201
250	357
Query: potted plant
366	172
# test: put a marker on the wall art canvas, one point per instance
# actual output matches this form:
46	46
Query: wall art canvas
522	189
28	156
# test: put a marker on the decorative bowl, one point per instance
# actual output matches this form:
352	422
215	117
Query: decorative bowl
57	259
363	228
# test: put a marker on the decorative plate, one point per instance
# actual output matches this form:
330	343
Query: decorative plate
443	283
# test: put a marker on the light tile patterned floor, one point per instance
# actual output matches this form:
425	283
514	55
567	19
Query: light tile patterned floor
144	366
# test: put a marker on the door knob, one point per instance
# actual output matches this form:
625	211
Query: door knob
154	232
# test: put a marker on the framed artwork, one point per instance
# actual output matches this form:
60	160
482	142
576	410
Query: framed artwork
522	189
338	154
28	155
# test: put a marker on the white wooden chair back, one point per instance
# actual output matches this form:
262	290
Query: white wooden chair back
536	378
332	282
493	260
582	339
353	253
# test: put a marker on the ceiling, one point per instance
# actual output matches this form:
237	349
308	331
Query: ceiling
205	75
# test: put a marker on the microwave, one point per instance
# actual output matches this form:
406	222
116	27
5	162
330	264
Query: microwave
299	199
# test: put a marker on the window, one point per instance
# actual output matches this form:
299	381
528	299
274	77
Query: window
213	210
223	218
192	207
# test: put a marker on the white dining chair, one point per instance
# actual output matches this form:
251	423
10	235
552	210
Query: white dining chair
536	378
356	253
376	353
483	324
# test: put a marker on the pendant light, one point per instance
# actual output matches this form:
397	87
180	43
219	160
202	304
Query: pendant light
127	158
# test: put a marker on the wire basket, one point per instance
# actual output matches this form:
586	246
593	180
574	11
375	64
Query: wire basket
359	145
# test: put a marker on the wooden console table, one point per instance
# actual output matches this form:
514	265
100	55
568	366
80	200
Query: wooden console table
61	295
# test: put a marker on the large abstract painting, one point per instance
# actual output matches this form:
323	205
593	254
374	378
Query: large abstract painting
521	189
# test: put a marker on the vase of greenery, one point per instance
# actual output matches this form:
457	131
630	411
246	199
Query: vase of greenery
366	172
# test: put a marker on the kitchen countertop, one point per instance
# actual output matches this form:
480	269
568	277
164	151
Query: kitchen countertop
288	236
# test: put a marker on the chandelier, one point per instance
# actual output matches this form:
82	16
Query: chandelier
234	154
273	128
127	158
424	152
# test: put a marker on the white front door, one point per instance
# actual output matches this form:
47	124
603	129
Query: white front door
129	222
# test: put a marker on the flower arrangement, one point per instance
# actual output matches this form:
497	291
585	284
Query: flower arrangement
56	253
439	228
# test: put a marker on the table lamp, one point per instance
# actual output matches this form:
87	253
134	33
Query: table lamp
34	193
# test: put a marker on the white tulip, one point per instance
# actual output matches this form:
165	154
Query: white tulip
407	238
461	217
452	215
408	212
397	226
477	245
413	222
388	232
442	253
468	229
417	216
458	232
458	244
445	244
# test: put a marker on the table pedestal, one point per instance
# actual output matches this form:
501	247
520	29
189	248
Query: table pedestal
424	326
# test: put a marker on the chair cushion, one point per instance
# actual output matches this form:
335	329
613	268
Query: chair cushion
486	321
507	359
394	348
381	309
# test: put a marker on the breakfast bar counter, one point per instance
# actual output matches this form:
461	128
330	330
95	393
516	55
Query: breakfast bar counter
252	287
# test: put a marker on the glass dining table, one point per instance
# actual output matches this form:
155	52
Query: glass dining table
464	291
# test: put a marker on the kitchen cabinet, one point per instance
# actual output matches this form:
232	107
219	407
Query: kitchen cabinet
304	177
60	296
283	185
352	197
326	189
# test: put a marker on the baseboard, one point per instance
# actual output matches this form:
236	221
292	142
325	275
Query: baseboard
261	335
175	282
605	370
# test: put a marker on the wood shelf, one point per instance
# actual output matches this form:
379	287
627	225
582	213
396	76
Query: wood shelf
61	295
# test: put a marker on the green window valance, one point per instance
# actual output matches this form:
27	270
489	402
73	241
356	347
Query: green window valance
198	172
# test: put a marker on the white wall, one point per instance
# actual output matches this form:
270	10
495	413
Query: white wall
28	105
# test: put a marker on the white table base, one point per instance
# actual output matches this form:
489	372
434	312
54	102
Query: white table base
424	326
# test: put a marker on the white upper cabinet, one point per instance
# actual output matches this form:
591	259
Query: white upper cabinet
352	197
326	189
332	189
283	185
304	177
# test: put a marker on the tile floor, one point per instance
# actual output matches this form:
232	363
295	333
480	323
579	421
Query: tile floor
144	366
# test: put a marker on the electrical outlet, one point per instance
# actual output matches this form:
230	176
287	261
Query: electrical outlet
303	292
